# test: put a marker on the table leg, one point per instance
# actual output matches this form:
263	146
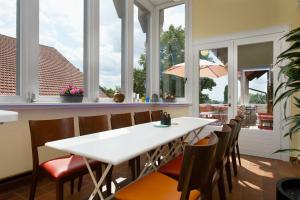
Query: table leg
97	185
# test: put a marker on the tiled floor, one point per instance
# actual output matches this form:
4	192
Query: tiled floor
256	180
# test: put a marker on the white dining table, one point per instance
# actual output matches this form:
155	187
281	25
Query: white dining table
8	116
119	145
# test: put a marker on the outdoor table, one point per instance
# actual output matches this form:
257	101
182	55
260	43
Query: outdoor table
119	145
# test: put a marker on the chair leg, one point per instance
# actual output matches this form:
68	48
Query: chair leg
72	186
132	167
221	186
35	176
79	183
138	166
238	153
108	182
59	190
234	165
228	174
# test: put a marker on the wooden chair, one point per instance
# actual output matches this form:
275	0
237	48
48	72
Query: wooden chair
61	169
121	121
229	153
90	125
236	140
172	168
155	115
141	117
194	174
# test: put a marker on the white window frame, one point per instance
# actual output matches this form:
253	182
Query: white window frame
28	56
188	49
27	37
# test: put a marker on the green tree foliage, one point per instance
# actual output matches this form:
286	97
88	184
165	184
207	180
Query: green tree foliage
257	99
226	94
172	47
109	91
208	84
139	76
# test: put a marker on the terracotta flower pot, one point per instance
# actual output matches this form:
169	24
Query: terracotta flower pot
119	97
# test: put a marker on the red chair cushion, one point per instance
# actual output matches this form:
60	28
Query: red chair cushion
173	167
65	166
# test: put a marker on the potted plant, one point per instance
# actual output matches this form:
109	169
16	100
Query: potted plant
71	94
289	188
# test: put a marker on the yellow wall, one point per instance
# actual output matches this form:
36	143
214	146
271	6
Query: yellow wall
15	145
218	17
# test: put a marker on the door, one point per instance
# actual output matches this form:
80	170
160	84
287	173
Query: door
214	63
247	88
255	80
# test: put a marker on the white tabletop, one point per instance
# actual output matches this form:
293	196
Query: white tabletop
119	145
8	116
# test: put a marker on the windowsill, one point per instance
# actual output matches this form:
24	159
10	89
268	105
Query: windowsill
49	105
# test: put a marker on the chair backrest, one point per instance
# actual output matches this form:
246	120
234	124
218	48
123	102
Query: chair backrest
93	124
196	166
223	137
120	120
233	125
239	120
155	115
43	131
142	117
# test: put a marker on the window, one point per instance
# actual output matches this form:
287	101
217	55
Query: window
61	45
8	48
172	51
111	14
141	38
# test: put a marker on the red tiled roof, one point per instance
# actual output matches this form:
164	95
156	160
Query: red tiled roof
55	71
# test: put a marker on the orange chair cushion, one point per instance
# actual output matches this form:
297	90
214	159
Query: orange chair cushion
202	142
65	166
153	186
173	167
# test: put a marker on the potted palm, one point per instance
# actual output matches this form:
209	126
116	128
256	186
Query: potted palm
289	188
71	94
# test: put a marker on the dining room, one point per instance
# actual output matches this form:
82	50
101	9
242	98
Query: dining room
148	99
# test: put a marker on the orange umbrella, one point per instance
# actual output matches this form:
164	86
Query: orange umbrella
207	69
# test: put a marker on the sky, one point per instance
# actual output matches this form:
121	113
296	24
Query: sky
8	17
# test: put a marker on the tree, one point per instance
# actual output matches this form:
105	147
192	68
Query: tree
208	84
109	91
226	94
139	76
172	43
257	99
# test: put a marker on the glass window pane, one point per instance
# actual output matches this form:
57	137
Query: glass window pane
213	81
61	45
141	26
110	47
172	46
255	88
8	46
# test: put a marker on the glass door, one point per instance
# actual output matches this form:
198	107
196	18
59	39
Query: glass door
214	85
255	85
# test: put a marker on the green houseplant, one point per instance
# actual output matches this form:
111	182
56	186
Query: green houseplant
290	69
289	63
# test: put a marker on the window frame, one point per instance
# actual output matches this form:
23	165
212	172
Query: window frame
28	51
188	49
